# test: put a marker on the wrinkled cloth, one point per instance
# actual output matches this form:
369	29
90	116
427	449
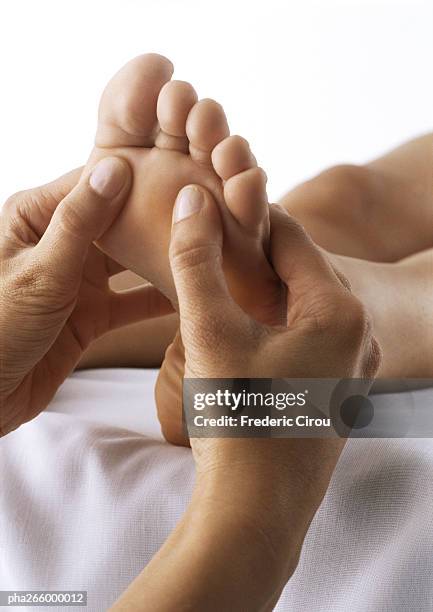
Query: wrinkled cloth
90	491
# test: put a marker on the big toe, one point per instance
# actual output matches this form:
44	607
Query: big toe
127	111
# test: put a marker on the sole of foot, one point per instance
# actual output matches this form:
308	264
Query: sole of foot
171	139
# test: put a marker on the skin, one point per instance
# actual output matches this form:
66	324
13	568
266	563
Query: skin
54	289
383	212
59	282
170	139
379	212
402	319
392	192
241	204
220	341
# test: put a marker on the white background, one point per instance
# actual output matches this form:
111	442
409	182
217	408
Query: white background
308	83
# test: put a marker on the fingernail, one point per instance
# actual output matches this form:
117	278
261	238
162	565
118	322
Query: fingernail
188	202
108	177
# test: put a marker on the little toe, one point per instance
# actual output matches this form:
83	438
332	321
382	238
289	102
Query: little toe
127	111
246	198
206	126
232	156
175	101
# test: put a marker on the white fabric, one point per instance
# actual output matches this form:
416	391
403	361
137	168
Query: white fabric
89	491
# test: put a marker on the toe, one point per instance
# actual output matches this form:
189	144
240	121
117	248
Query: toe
175	101
232	156
206	126
127	112
246	198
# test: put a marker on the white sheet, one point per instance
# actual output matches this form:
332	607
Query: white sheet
89	492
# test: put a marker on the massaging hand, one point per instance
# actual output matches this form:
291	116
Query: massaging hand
327	334
54	292
254	498
266	483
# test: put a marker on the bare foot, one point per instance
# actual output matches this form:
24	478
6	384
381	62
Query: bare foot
171	140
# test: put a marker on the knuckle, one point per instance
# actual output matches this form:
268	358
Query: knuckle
345	329
294	232
294	227
23	202
11	204
185	258
71	222
325	315
342	316
14	218
357	320
16	230
26	214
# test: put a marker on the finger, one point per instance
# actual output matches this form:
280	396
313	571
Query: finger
138	304
295	257
36	206
84	215
196	260
61	186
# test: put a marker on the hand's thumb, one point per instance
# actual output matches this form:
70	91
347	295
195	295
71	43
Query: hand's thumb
196	259
85	214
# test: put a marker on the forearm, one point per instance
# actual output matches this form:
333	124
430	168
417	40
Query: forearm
251	522
207	564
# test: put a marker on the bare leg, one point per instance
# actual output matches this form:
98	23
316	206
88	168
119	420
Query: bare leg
399	297
381	216
141	345
380	212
